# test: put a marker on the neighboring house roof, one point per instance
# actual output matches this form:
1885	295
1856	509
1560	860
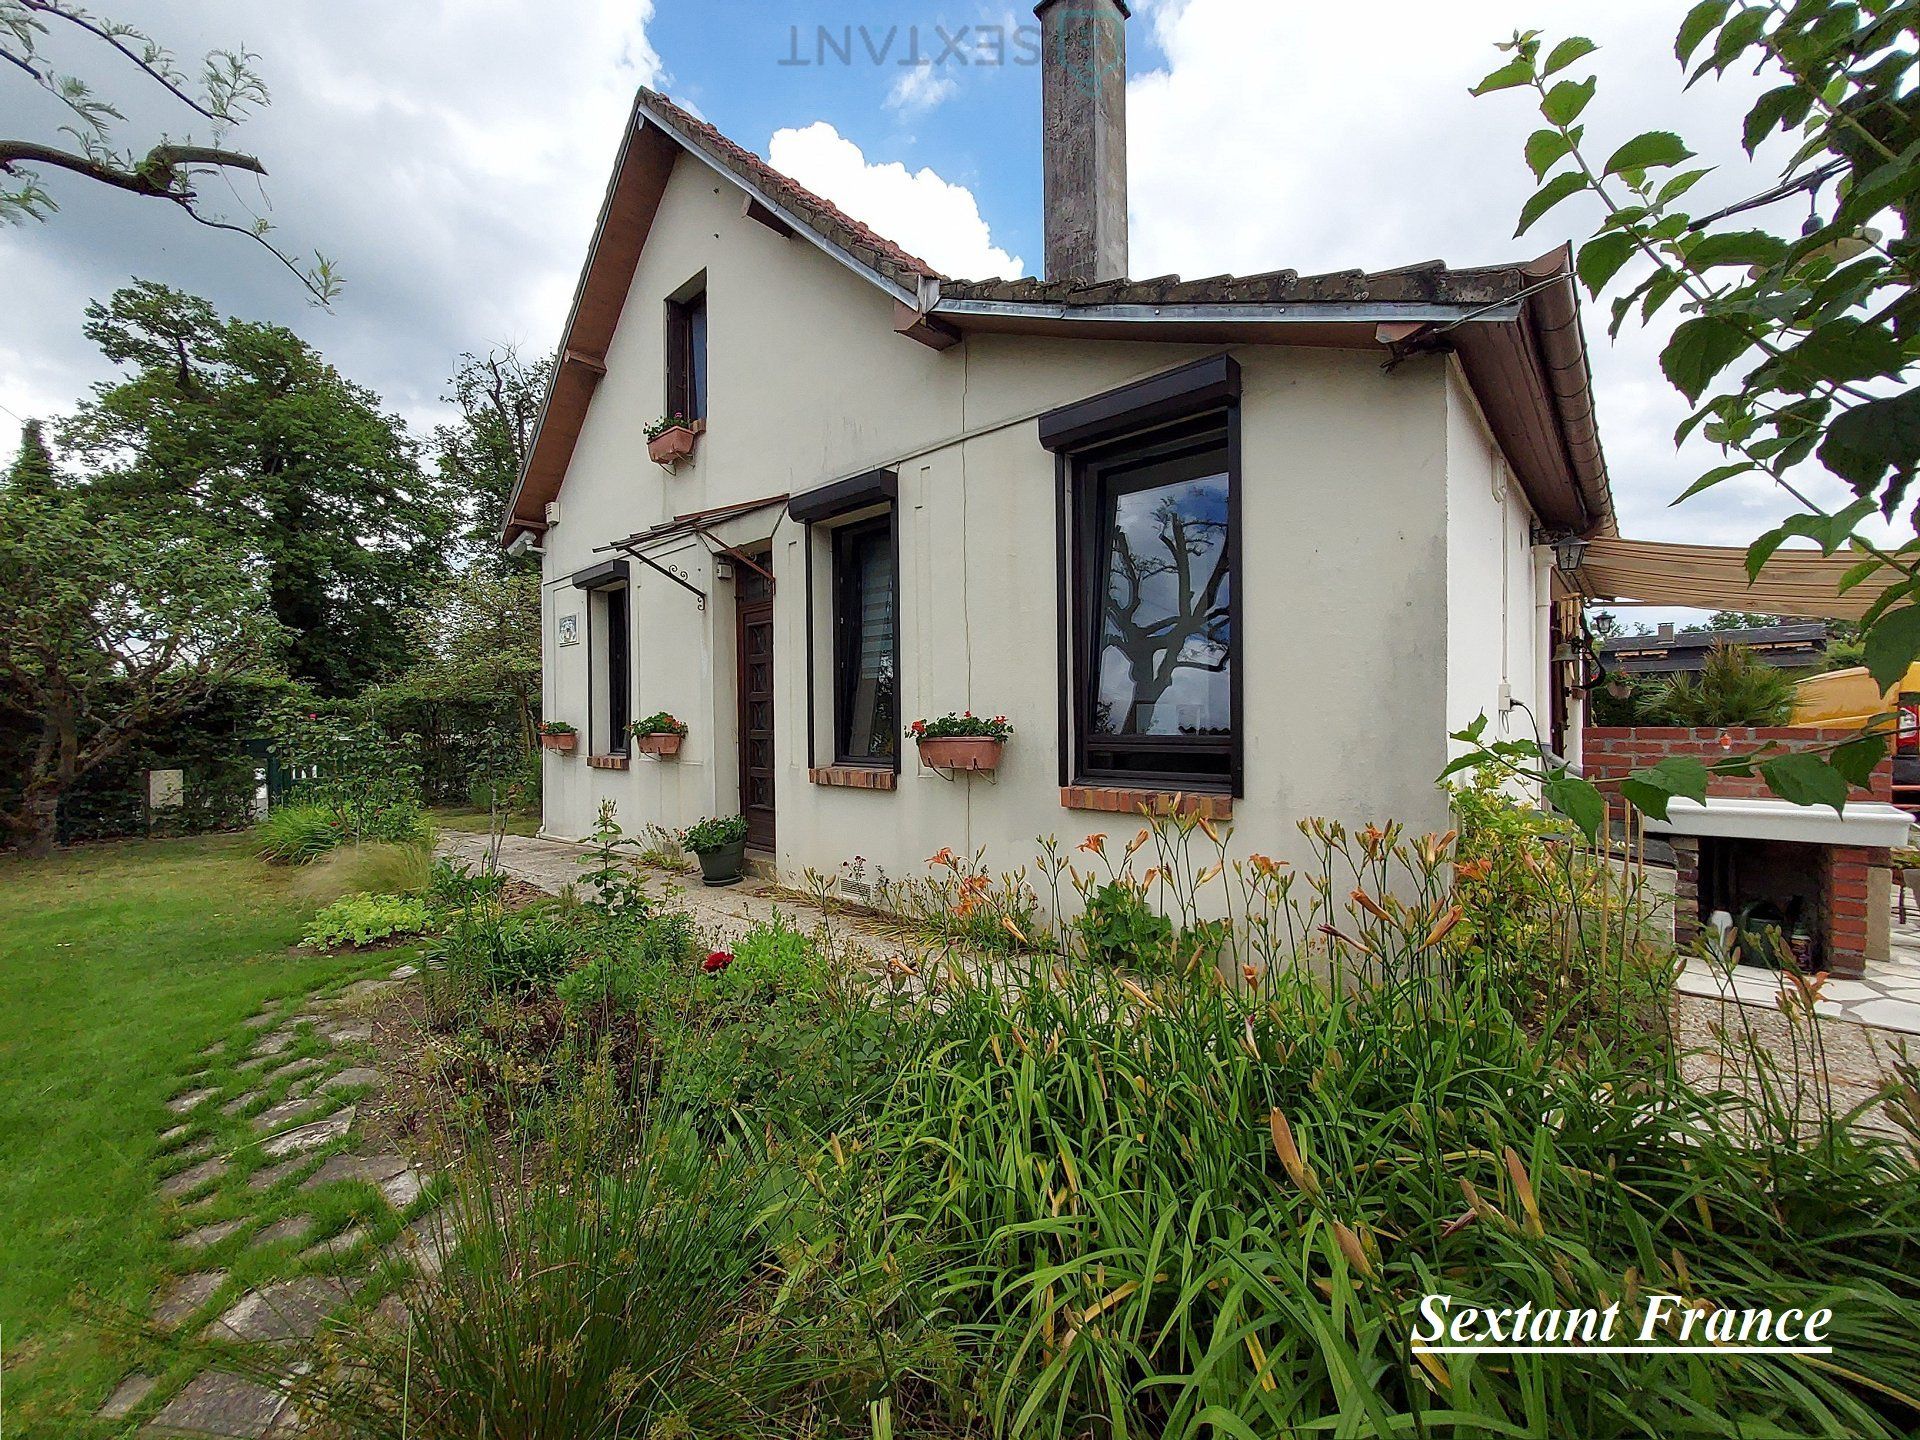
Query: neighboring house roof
1515	328
1790	647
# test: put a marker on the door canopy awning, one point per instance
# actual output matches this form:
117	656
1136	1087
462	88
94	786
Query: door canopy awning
1714	577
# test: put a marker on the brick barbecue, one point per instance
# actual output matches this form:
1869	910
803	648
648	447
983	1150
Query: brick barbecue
1746	847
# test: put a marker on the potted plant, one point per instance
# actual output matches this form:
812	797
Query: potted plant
658	734
670	439
721	846
558	735
961	742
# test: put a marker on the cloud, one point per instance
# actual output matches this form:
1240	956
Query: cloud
1278	136
919	89
935	219
451	160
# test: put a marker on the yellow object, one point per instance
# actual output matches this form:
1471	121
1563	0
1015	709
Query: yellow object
1846	697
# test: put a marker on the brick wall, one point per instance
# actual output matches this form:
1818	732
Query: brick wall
1611	752
1854	902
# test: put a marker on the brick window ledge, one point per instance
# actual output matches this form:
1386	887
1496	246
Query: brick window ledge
1117	801
607	762
854	777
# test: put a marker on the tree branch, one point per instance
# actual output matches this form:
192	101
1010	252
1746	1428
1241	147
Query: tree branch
158	175
157	75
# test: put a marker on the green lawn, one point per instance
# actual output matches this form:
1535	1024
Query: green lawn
478	820
119	964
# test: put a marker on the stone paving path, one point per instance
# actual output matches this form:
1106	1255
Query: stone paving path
280	1222
722	914
1887	997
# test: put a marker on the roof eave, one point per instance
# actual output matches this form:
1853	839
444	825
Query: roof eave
580	367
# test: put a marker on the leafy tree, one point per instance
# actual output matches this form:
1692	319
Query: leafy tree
243	429
474	698
481	455
1797	342
114	627
32	471
227	91
1722	620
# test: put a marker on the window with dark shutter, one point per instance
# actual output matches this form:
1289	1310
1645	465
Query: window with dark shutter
1150	552
1155	609
866	708
687	357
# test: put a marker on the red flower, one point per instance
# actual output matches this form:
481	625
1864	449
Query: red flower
718	960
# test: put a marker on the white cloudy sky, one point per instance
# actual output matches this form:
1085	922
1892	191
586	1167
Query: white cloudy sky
451	156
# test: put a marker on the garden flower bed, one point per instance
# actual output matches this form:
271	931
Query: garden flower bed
1173	1178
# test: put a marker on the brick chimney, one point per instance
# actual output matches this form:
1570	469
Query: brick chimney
1083	119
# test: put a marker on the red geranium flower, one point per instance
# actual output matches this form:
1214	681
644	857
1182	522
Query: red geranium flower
718	960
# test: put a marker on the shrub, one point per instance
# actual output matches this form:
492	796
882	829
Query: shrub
367	780
512	955
363	920
1119	928
297	834
509	788
454	885
614	981
1734	687
770	959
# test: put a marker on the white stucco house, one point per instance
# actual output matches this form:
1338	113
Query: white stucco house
1260	541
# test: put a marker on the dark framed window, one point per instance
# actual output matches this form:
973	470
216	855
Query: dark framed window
687	356
1156	585
866	643
619	677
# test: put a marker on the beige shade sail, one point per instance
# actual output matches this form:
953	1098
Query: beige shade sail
1714	577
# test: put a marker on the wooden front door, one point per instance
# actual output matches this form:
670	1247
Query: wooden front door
754	646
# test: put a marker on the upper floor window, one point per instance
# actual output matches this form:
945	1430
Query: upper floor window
687	354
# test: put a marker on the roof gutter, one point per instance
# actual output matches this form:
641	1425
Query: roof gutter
1321	312
1553	315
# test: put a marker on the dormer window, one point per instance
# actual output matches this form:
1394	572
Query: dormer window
687	352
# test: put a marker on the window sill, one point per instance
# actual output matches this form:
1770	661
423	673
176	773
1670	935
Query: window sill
607	762
1113	800
854	777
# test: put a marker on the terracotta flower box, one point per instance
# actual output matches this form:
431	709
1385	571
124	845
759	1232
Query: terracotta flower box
962	752
564	743
672	445
658	744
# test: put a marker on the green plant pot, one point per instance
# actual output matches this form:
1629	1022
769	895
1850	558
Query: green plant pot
724	866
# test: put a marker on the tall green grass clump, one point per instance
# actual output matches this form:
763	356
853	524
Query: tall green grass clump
597	1290
296	834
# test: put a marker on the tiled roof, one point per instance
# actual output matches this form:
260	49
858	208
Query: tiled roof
1430	282
827	219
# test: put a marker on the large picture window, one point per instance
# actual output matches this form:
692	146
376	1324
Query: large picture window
1154	608
866	717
